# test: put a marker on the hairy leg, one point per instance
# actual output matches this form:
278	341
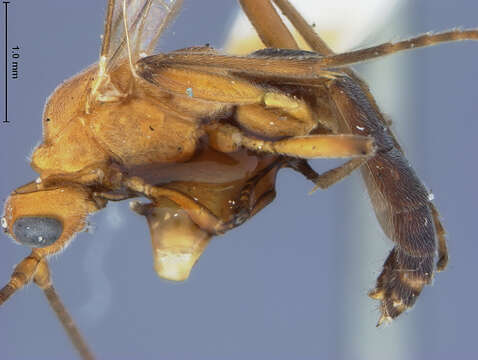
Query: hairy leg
228	138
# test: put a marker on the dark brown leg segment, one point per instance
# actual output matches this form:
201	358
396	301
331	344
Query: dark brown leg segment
400	282
400	200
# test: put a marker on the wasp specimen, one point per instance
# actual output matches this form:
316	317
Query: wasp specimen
202	135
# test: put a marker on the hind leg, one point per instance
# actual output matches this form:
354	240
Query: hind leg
402	205
401	281
270	28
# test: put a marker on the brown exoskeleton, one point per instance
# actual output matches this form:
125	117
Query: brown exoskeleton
202	135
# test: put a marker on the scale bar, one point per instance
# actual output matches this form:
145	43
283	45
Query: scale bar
6	61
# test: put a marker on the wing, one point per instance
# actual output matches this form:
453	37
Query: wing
132	29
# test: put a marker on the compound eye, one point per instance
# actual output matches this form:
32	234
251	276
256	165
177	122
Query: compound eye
37	231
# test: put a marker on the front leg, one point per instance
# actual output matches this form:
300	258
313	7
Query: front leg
198	213
254	194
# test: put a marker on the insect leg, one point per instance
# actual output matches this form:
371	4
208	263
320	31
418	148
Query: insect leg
311	67
228	138
332	60
112	196
178	239
42	278
275	120
353	57
328	178
274	33
303	27
400	282
256	194
278	36
400	201
270	28
198	213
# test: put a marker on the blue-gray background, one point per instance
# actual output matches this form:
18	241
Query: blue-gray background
290	283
